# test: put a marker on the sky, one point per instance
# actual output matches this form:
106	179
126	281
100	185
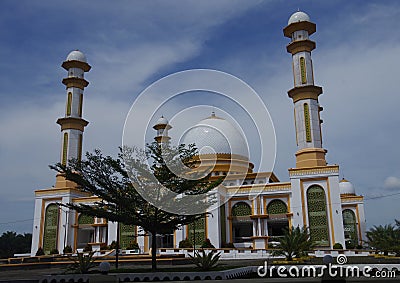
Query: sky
132	44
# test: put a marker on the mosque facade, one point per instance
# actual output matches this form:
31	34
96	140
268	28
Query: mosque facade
255	207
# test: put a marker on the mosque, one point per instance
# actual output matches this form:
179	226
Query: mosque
255	206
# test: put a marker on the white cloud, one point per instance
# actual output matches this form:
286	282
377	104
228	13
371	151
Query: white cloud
392	183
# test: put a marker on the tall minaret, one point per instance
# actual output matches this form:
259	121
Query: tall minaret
72	125
305	94
162	128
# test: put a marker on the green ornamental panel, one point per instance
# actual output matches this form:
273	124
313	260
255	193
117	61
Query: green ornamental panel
350	225
199	227
317	216
85	219
276	207
127	235
50	228
241	209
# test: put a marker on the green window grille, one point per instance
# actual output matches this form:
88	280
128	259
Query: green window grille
80	105
127	235
50	228
277	207
69	104
303	70
199	228
85	219
350	225
307	122
241	209
65	149
80	147
317	215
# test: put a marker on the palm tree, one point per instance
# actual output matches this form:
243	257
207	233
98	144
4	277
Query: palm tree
385	238
295	242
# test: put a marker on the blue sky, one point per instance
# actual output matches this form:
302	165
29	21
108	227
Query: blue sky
131	44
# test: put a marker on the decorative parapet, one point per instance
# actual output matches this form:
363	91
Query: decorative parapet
248	189
314	171
346	198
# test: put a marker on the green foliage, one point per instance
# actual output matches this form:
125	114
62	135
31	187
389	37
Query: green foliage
12	243
54	252
117	181
185	244
67	250
225	245
385	238
133	246
87	248
207	244
113	245
40	251
295	242
337	246
82	263
350	244
206	261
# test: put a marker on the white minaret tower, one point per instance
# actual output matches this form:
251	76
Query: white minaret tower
305	94
162	128
72	125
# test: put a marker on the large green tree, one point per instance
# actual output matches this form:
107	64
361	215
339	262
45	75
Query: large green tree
385	238
12	243
295	242
151	189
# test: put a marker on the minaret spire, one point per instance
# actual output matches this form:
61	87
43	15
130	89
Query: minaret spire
72	125
304	93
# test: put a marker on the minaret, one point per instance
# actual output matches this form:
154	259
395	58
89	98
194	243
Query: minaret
310	152
72	125
162	128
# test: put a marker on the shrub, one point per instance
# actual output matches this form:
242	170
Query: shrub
184	244
113	245
207	244
350	244
87	248
67	250
40	252
132	246
337	246
227	245
206	261
359	247
54	252
82	263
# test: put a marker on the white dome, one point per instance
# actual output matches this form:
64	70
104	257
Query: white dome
346	188
162	121
216	135
76	55
298	17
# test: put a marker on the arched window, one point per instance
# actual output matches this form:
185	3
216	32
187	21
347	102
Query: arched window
80	105
80	147
241	209
50	228
65	149
303	70
350	225
276	207
317	215
307	122
69	104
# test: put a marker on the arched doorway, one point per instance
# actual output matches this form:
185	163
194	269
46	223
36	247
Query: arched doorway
51	220
85	231
277	218
350	226
317	216
242	225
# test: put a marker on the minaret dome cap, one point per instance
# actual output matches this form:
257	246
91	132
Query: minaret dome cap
76	55
346	188
299	16
162	121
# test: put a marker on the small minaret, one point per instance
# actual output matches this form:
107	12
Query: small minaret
72	125
162	128
304	93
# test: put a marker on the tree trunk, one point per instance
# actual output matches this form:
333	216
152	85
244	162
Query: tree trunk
153	251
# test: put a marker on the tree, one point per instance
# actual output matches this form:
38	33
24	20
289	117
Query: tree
136	193
385	238
295	242
12	243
